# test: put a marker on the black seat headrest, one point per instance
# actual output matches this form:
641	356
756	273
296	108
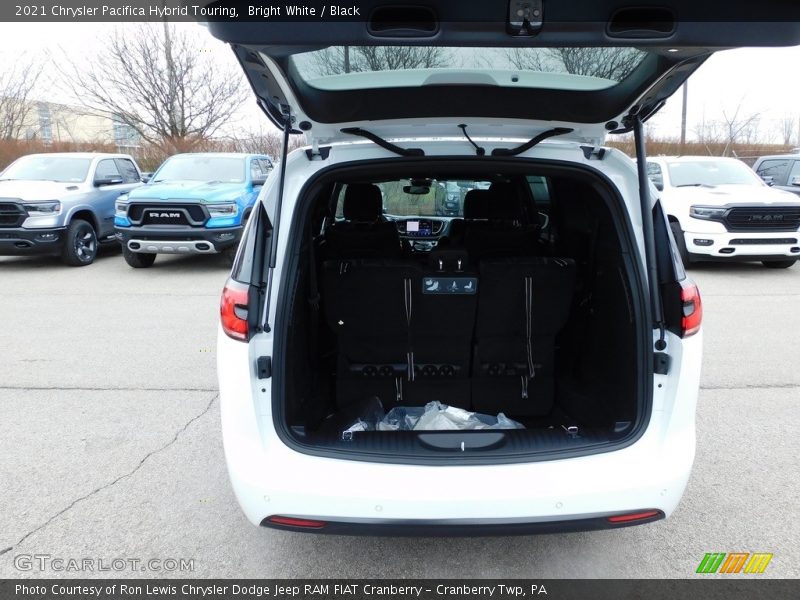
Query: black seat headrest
476	204
363	203
506	204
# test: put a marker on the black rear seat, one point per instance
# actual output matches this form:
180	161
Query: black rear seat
523	303
408	336
443	321
404	332
405	337
366	306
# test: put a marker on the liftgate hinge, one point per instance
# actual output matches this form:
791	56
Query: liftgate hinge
316	152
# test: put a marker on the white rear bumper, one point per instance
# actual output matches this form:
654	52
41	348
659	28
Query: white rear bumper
270	478
289	483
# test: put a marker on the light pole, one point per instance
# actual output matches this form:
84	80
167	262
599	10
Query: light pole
683	117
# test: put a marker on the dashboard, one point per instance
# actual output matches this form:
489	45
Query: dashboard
421	228
421	233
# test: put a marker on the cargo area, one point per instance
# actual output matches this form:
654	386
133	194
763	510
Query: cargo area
501	292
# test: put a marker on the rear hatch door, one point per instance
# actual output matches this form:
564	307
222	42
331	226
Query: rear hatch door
505	68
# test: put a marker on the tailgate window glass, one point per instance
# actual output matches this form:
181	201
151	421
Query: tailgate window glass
363	67
421	198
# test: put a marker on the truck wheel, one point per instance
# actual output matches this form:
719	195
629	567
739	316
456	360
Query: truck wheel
677	233
80	246
138	260
779	264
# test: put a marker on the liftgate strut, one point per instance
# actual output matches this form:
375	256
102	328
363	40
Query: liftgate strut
276	221
648	233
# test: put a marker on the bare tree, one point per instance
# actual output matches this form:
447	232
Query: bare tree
157	81
608	63
787	126
17	82
738	127
708	133
336	60
261	141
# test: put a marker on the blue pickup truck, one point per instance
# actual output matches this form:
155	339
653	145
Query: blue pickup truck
193	204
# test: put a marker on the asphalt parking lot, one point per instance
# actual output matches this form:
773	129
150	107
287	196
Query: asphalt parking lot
111	440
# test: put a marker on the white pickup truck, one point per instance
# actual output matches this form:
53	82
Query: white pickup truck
719	209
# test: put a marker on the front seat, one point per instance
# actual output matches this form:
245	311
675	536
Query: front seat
501	231
364	233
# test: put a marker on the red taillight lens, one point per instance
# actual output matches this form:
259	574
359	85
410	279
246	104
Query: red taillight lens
233	310
692	309
292	522
637	516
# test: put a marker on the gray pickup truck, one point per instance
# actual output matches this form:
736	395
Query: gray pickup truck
62	203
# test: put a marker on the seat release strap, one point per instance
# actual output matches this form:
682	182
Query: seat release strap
410	351
529	326
528	337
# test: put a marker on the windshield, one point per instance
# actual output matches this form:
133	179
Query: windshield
422	198
363	67
228	169
48	168
711	173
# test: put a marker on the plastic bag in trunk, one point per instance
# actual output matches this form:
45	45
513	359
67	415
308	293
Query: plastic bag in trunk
434	416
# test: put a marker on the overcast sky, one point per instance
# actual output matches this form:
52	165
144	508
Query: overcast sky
763	80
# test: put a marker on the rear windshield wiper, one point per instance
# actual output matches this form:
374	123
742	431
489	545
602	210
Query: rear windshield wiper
532	142
383	143
695	185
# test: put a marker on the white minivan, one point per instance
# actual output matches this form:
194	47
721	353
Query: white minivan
528	364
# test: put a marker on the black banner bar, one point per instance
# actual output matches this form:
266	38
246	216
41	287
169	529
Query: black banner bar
734	587
333	11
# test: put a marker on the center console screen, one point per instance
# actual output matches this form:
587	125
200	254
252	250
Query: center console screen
422	228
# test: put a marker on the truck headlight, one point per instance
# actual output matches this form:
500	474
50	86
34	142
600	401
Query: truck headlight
121	206
707	212
225	209
51	207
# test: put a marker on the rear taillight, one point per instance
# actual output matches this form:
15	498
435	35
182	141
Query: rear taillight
692	308
636	516
292	522
233	310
